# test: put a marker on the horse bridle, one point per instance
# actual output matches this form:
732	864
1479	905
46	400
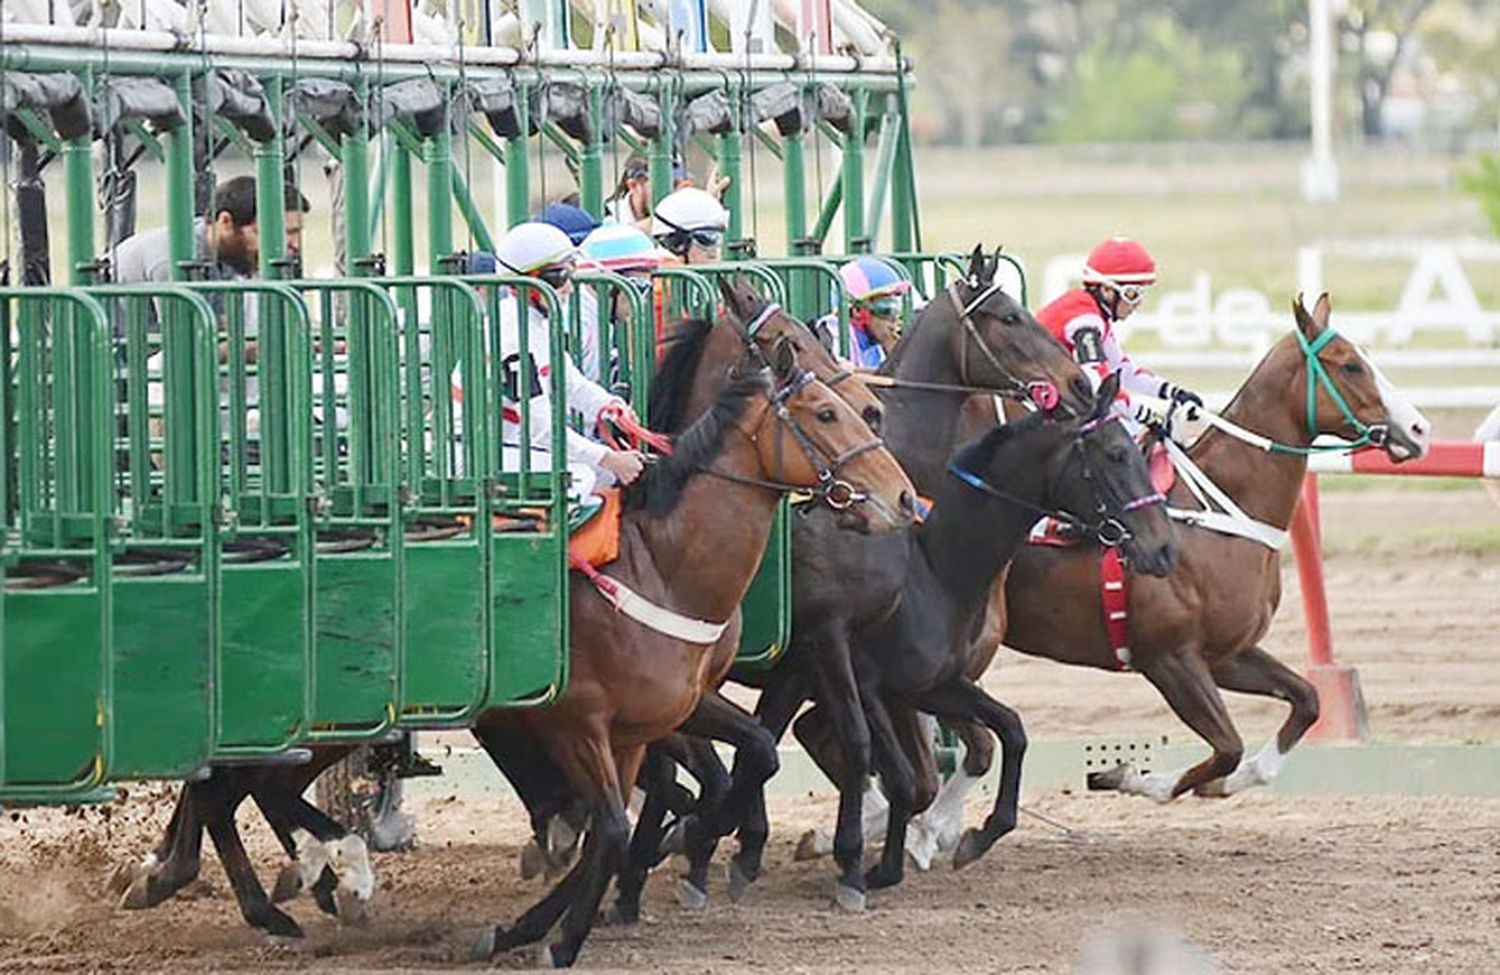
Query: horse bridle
832	490
1035	392
1110	529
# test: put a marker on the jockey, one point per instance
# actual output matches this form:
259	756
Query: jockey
689	224
1115	280
544	252
628	252
875	291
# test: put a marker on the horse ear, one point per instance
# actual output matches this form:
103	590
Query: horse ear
737	297
1105	397
1322	310
976	263
1305	322
784	361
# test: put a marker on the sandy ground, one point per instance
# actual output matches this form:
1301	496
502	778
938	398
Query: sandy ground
1261	883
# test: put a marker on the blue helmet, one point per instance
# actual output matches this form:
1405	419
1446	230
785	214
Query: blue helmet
577	223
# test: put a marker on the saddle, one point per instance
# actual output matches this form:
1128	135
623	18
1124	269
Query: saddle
594	527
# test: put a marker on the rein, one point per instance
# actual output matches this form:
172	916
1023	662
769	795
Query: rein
1109	531
1044	395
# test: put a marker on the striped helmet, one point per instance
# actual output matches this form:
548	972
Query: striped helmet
866	278
620	247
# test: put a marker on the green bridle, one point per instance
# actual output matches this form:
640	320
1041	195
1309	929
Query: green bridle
1317	375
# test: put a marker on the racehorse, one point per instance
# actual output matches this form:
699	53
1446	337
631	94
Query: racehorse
1198	630
972	338
1086	471
692	539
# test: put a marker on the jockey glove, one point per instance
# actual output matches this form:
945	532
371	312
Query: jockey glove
1180	396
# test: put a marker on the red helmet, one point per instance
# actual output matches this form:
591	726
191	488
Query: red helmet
1119	261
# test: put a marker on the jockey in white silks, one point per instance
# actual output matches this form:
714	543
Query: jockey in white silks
544	252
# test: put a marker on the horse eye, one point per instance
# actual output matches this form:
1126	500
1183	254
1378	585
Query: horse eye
1011	318
826	415
1352	368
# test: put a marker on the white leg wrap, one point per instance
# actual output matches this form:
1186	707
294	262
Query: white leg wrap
1259	769
350	859
1157	785
312	857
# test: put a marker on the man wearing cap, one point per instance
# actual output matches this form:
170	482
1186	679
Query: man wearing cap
874	290
1115	280
621	249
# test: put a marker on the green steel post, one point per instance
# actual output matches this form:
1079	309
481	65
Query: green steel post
470	210
885	160
378	181
517	181
180	183
794	181
730	145
440	174
906	234
270	204
591	159
403	257
854	177
661	147
831	206
78	168
356	160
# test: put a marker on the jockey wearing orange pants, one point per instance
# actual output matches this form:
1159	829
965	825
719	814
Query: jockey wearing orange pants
1115	280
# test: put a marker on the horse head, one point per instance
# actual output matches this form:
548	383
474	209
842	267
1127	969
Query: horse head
810	438
998	344
1105	482
747	308
1345	393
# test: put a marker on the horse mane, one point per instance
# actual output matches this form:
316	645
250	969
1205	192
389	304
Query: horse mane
671	387
660	486
975	455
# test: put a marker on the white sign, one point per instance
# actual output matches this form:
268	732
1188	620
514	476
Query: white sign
1437	298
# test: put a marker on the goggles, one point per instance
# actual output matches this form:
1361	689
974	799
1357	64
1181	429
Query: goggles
886	306
1131	294
555	276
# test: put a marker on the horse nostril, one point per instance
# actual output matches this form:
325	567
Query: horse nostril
873	417
908	504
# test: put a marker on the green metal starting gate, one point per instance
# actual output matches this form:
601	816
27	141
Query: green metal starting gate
246	515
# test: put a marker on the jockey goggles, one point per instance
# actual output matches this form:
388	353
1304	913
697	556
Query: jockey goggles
1131	294
555	276
885	306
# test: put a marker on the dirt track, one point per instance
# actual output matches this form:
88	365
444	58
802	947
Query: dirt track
1264	884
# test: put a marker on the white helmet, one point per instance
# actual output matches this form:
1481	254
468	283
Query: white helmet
529	247
686	210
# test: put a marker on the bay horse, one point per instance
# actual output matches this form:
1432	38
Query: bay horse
972	338
1197	632
692	538
1087	471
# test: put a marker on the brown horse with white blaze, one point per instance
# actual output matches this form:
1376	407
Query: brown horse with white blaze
1197	631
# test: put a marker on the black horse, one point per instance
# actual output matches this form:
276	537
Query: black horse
1088	472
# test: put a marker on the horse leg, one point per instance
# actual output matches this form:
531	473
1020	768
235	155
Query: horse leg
603	855
174	863
939	829
327	848
1183	678
546	794
309	868
961	698
898	782
817	739
658	778
755	761
1254	671
917	733
221	800
839	696
777	706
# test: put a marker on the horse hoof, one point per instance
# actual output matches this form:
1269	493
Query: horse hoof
486	945
278	925
122	877
1110	780
691	897
352	908
807	847
533	862
848	899
739	881
1217	789
559	957
288	884
618	915
879	878
970	848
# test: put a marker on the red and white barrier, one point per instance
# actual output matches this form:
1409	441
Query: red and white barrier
1343	715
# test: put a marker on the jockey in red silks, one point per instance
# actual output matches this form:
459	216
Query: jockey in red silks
1115	280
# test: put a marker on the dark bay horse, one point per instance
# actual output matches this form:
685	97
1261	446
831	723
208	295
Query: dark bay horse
971	338
692	538
1197	631
1089	471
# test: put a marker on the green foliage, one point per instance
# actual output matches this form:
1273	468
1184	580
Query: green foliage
1165	87
1483	183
